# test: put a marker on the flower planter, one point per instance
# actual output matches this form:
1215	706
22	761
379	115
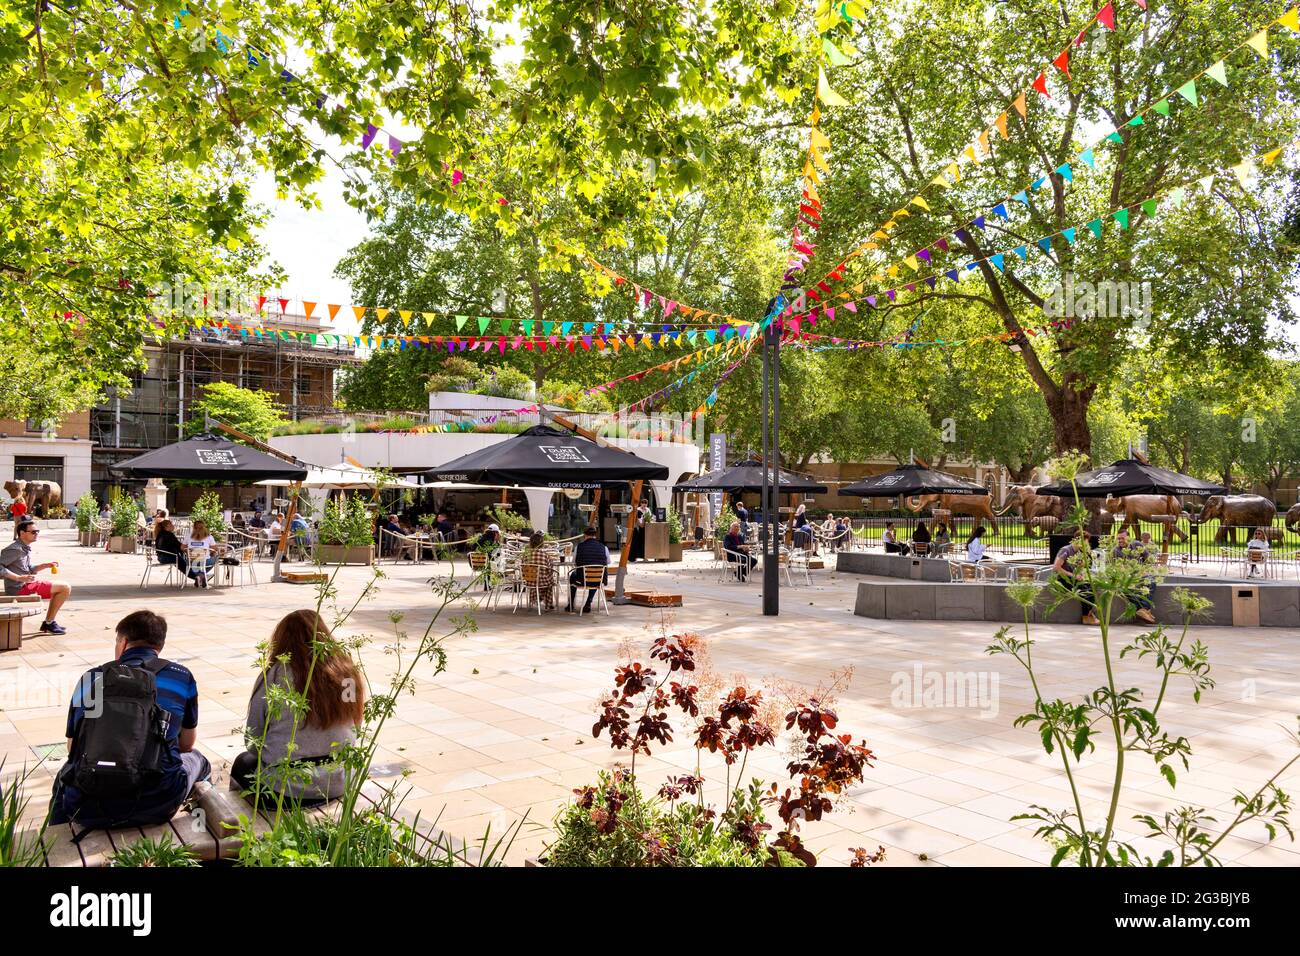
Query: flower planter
342	554
88	539
674	550
118	545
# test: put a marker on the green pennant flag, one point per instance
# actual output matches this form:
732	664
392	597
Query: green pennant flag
315	339
1219	73
1149	207
1176	196
1095	227
1188	92
505	324
833	54
1121	217
691	338
1162	107
546	327
1136	121
1115	137
527	326
460	321
483	323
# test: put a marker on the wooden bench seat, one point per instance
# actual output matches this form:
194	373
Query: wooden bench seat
12	614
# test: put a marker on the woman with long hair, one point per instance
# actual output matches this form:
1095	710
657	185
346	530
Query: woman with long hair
303	657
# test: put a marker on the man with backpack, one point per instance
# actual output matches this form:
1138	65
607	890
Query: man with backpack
132	725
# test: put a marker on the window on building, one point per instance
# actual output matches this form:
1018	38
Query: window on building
38	468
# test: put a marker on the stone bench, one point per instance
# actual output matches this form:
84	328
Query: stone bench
1243	605
881	565
206	823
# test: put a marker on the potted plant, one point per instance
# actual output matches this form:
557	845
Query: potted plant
207	508
86	511
124	517
346	534
674	535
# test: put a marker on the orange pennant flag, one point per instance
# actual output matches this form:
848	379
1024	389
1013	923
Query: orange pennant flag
333	310
1001	124
307	308
1019	104
359	311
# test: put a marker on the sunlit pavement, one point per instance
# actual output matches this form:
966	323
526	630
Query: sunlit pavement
506	731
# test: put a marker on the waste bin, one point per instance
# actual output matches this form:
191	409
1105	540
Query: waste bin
1245	606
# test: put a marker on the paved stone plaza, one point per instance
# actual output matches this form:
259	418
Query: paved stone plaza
507	730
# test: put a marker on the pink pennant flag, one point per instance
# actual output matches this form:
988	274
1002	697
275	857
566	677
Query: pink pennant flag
1106	15
668	309
851	306
830	314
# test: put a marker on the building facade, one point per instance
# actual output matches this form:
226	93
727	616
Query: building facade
48	451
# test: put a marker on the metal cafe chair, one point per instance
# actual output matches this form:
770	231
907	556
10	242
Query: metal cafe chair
151	562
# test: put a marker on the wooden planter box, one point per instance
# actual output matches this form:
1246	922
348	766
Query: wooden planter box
674	551
88	539
341	554
121	545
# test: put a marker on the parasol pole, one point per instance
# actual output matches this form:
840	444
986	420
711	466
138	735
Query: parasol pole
627	546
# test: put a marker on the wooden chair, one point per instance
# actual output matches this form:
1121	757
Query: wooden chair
593	580
535	579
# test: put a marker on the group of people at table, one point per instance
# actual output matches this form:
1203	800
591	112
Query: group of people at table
199	552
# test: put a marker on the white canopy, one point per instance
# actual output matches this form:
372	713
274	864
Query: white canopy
344	476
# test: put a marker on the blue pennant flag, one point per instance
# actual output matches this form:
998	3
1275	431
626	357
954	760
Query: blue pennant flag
1038	182
997	260
1045	244
1022	252
951	274
1088	157
1022	196
1001	210
1069	235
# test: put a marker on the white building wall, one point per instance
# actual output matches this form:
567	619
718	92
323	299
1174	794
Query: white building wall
75	453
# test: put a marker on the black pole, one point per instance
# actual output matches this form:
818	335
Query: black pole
772	461
763	483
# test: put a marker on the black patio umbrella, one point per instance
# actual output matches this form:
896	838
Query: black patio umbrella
1131	477
909	480
547	457
748	476
206	457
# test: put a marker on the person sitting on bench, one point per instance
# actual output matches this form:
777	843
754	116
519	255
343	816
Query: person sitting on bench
20	575
131	751
335	704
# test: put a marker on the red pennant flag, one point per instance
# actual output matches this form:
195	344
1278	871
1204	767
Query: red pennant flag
261	301
283	304
1062	63
1106	15
1040	85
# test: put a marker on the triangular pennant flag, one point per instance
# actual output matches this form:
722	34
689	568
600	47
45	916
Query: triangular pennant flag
954	172
1040	85
911	263
381	314
429	318
1243	171
825	93
918	201
1019	104
997	260
1095	227
483	323
307	308
1001	124
1022	196
1062	62
1162	107
833	54
1188	92
1115	137
1069	235
333	310
818	139
1259	43
1176	196
406	316
1088	157
1065	172
969	153
941	181
1045	244
984	142
1207	183
1121	217
1022	252
1001	210
1106	16
1218	73
1149	207
1291	19
1271	156
1136	121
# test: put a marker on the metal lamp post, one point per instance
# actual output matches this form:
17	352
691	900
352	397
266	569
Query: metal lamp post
771	487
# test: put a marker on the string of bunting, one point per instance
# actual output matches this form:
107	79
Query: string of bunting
1243	171
678	384
827	342
1087	159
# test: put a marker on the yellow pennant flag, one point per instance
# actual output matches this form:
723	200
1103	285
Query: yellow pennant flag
811	190
911	263
359	311
941	181
428	318
880	234
870	245
406	316
858	288
889	226
817	160
825	93
954	172
1243	171
1001	124
1291	19
1019	104
815	116
1259	43
818	138
1270	157
969	153
900	213
918	201
984	142
810	173
893	272
381	314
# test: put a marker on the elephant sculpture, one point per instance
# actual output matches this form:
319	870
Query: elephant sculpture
1043	512
41	496
1292	518
1238	511
1166	509
977	506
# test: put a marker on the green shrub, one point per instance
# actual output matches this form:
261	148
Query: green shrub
86	512
208	510
675	530
150	853
346	522
509	520
123	513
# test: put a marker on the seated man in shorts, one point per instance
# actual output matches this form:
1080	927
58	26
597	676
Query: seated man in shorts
20	575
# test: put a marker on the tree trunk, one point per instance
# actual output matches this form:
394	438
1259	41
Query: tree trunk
1020	475
1069	411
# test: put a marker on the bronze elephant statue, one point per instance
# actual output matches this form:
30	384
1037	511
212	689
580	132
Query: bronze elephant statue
1136	508
977	506
1038	511
1292	518
41	496
1238	511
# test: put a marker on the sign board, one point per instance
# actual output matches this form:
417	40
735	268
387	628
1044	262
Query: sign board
563	454
216	457
619	509
717	462
585	506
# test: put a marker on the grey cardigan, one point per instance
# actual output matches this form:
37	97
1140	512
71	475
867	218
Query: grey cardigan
328	779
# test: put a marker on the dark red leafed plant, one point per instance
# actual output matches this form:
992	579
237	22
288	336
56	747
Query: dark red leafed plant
825	765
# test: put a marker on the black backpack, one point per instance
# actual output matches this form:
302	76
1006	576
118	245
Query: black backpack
120	752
